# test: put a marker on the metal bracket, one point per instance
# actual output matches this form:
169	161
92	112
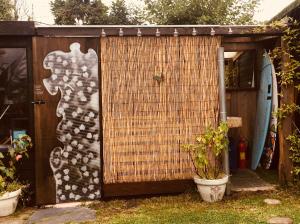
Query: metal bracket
38	102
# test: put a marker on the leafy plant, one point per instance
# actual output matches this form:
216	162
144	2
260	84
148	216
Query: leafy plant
90	12
8	161
200	11
285	111
207	151
6	10
294	141
289	76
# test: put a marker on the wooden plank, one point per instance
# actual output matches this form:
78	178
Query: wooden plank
45	114
241	46
17	28
15	41
237	39
249	39
240	89
147	188
288	96
101	134
264	38
24	28
29	176
240	107
230	31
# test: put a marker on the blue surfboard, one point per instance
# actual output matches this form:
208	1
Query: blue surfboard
263	111
270	144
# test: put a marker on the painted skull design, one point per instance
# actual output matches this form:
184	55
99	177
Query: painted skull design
76	166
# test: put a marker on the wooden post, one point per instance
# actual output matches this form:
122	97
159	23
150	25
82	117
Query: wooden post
288	96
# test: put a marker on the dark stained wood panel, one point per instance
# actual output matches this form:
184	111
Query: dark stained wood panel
26	168
147	188
46	120
242	103
168	30
241	46
17	28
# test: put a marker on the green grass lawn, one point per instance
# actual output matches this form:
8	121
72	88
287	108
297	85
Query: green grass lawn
189	208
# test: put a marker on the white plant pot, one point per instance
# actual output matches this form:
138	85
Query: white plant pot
8	202
211	190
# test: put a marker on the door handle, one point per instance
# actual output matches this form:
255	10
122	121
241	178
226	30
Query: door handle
269	88
38	102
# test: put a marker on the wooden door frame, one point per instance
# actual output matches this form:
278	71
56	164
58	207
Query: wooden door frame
26	43
90	42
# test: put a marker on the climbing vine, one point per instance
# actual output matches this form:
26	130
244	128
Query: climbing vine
294	141
289	76
286	110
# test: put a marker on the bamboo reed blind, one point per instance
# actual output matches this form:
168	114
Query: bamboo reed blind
157	94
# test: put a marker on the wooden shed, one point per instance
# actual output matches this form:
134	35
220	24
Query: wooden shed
110	106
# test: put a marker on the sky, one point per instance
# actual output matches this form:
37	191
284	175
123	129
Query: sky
42	13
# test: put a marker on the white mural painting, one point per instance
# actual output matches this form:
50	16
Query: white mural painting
76	166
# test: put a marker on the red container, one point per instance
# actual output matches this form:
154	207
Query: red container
242	149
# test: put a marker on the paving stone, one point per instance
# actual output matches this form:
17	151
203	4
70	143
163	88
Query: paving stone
62	215
272	201
248	180
280	220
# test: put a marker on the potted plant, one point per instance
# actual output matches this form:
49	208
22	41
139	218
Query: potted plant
206	156
10	188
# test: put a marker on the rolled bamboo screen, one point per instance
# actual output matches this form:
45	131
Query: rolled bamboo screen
157	94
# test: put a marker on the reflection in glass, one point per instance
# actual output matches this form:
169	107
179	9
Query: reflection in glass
13	93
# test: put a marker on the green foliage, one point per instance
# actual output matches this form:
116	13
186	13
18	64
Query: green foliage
9	160
207	151
294	141
13	186
91	12
120	14
155	11
6	10
200	11
285	110
289	75
71	12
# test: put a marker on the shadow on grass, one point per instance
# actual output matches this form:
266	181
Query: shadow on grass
188	208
